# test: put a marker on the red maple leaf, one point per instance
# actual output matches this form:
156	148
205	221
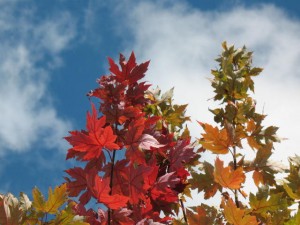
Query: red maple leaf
92	141
130	71
131	140
121	217
119	176
78	185
101	191
162	193
135	182
127	113
91	217
163	188
181	153
135	95
135	140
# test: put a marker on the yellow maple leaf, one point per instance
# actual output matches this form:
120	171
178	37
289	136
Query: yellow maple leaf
55	200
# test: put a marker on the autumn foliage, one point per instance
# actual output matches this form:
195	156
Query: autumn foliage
139	164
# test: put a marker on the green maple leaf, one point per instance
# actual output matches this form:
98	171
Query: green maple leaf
173	115
264	170
66	217
294	220
205	181
265	202
292	187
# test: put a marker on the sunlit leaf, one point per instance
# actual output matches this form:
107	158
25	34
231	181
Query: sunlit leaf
215	140
237	216
227	177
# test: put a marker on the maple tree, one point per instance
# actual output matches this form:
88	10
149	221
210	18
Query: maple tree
239	126
146	128
139	163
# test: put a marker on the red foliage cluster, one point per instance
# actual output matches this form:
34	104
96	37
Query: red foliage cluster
146	182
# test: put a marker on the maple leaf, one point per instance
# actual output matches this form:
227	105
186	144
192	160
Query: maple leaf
25	203
131	140
135	131
67	216
78	185
55	200
258	178
227	177
137	181
130	71
75	187
120	174
205	214
135	140
293	194
254	130
147	221
135	95
235	215
92	141
132	180
294	220
264	173
181	153
293	180
128	113
92	217
169	180
265	202
202	214
215	140
101	191
10	211
205	181
163	192
121	217
199	217
147	142
93	124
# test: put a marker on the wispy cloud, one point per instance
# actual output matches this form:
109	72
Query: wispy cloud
182	43
30	48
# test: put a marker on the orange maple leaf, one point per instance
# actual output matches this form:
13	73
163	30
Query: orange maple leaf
227	177
237	216
215	140
258	178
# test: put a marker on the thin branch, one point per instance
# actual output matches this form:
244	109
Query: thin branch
111	184
110	211
183	211
236	198
112	172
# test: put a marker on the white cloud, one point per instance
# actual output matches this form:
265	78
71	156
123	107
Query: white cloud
183	42
27	114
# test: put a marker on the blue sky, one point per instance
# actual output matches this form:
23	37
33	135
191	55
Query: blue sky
52	52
